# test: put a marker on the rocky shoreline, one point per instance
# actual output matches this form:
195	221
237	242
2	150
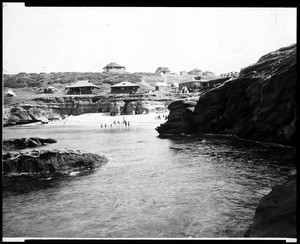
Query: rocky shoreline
276	214
259	105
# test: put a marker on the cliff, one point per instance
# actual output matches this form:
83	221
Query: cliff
276	213
44	109
49	108
259	105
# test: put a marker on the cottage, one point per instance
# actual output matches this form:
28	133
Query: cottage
195	72
191	86
208	73
183	73
162	70
114	68
124	87
81	87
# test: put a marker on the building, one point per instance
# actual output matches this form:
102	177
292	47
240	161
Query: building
183	73
114	68
191	86
81	87
162	70
124	87
232	74
209	84
195	72
208	73
161	85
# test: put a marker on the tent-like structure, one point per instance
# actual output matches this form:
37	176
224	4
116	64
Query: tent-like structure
113	67
124	87
81	87
162	70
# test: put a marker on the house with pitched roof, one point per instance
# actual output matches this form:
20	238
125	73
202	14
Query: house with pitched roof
113	67
124	87
81	87
195	72
162	70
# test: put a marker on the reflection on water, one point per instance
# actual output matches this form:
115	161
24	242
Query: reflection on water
151	187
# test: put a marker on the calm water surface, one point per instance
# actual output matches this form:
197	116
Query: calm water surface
151	187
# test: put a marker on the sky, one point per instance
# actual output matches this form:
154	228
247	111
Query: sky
85	39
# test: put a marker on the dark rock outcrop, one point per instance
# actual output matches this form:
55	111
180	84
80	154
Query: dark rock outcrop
259	105
41	164
180	119
276	213
22	143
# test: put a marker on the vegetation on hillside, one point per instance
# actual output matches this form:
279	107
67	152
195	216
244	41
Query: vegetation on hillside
21	80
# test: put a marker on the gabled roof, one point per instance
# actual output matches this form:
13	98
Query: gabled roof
125	84
113	64
82	83
195	70
163	68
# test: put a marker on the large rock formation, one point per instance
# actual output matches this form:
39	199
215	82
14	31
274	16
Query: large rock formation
44	109
260	104
180	119
276	213
49	108
18	167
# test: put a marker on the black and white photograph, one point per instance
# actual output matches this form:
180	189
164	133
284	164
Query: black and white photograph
124	122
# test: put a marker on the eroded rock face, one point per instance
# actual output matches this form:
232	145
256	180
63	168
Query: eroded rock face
260	104
22	143
180	119
38	164
276	213
25	114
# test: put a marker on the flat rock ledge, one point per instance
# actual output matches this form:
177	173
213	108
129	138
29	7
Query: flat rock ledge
22	143
276	213
18	167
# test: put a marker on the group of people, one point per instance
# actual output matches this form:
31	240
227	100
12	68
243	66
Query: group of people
161	116
126	123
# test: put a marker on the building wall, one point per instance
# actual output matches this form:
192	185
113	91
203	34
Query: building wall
115	70
123	90
80	90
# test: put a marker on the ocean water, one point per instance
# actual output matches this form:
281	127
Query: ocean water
150	188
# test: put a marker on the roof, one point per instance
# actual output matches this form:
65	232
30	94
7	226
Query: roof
125	84
163	68
82	83
195	70
113	64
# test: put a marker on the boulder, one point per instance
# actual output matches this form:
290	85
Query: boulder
42	164
276	213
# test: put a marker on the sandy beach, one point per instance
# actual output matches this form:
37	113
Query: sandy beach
104	119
